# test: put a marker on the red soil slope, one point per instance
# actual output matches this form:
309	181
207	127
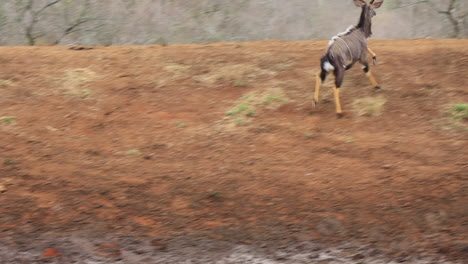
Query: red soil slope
221	141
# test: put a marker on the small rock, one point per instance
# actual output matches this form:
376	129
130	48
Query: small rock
464	249
358	257
109	250
330	226
401	260
387	166
314	256
140	252
50	252
2	188
158	244
374	253
281	257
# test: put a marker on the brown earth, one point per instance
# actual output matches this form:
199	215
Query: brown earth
220	141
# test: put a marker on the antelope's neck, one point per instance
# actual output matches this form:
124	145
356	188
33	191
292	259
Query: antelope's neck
365	22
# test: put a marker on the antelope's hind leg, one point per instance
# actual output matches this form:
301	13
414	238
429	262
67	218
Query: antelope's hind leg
339	76
319	79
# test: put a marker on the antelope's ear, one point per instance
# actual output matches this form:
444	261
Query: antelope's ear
359	3
377	3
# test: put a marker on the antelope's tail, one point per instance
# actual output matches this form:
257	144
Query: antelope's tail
325	64
326	67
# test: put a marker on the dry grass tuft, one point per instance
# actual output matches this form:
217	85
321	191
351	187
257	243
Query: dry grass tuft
10	120
234	73
255	102
178	70
210	74
76	81
460	112
455	118
369	106
6	83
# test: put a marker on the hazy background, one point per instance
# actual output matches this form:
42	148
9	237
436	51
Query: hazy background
123	22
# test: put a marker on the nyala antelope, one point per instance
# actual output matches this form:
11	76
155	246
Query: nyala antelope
347	48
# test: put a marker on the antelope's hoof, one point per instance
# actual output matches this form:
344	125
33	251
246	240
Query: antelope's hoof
378	87
340	115
314	103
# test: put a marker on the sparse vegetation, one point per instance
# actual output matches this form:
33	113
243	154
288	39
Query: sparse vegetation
133	152
239	109
8	161
460	112
178	70
214	73
369	106
274	98
10	120
75	82
122	155
51	128
253	102
83	93
239	121
214	195
6	83
239	84
455	117
180	124
250	112
232	73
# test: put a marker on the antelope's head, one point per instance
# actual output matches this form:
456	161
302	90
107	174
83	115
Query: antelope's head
369	7
368	12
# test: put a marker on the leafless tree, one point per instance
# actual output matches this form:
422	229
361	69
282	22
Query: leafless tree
67	17
451	13
31	15
454	10
120	22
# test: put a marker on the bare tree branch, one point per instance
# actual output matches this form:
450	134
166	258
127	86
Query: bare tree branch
75	26
449	12
452	18
48	5
423	1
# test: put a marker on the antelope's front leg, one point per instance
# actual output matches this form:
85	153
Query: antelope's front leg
370	76
318	83
374	56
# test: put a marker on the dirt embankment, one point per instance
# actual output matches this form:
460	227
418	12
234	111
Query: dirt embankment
106	146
